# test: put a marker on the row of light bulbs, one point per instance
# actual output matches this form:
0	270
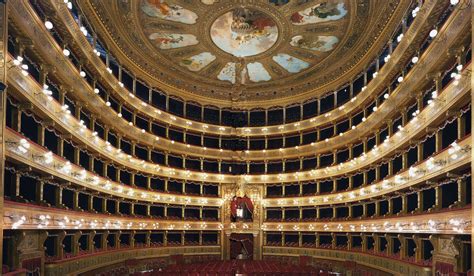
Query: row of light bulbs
65	108
50	160
432	165
45	221
459	225
222	177
432	34
172	172
400	79
454	153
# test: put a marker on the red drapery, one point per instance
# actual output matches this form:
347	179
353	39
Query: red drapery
32	265
443	268
237	201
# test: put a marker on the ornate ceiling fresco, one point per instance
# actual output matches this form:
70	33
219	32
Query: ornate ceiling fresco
243	51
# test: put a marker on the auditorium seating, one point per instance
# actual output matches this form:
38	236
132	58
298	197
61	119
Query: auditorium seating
233	267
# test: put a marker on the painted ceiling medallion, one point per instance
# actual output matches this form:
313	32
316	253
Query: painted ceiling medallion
244	32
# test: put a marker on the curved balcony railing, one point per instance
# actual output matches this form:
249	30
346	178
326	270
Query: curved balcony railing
456	221
386	110
27	216
368	257
430	114
36	156
87	262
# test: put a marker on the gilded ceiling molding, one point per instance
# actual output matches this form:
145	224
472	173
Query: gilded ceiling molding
412	36
96	12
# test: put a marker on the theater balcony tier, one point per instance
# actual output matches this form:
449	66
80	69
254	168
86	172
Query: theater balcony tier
384	124
432	114
31	217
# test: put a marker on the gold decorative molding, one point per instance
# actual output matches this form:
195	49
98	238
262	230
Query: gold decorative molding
359	12
86	263
385	110
444	222
451	98
30	217
401	52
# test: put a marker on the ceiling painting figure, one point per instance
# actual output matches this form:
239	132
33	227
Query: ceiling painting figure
164	10
172	41
244	32
291	64
316	43
326	11
197	62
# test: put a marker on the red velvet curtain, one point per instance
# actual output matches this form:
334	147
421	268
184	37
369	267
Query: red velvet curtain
32	265
233	207
237	201
239	240
445	269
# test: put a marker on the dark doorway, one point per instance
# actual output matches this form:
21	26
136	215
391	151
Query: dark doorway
241	246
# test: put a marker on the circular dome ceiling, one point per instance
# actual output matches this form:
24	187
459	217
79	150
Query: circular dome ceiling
228	51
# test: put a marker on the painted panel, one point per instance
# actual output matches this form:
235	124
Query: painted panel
244	32
171	41
209	2
319	13
257	72
317	43
197	62
163	10
228	73
291	64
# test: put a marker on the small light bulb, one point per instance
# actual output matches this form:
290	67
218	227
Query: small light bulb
433	33
66	52
96	90
399	38
414	59
48	24
82	74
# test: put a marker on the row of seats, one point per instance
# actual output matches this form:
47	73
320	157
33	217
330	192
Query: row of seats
239	267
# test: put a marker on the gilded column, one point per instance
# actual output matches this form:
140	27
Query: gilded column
3	81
